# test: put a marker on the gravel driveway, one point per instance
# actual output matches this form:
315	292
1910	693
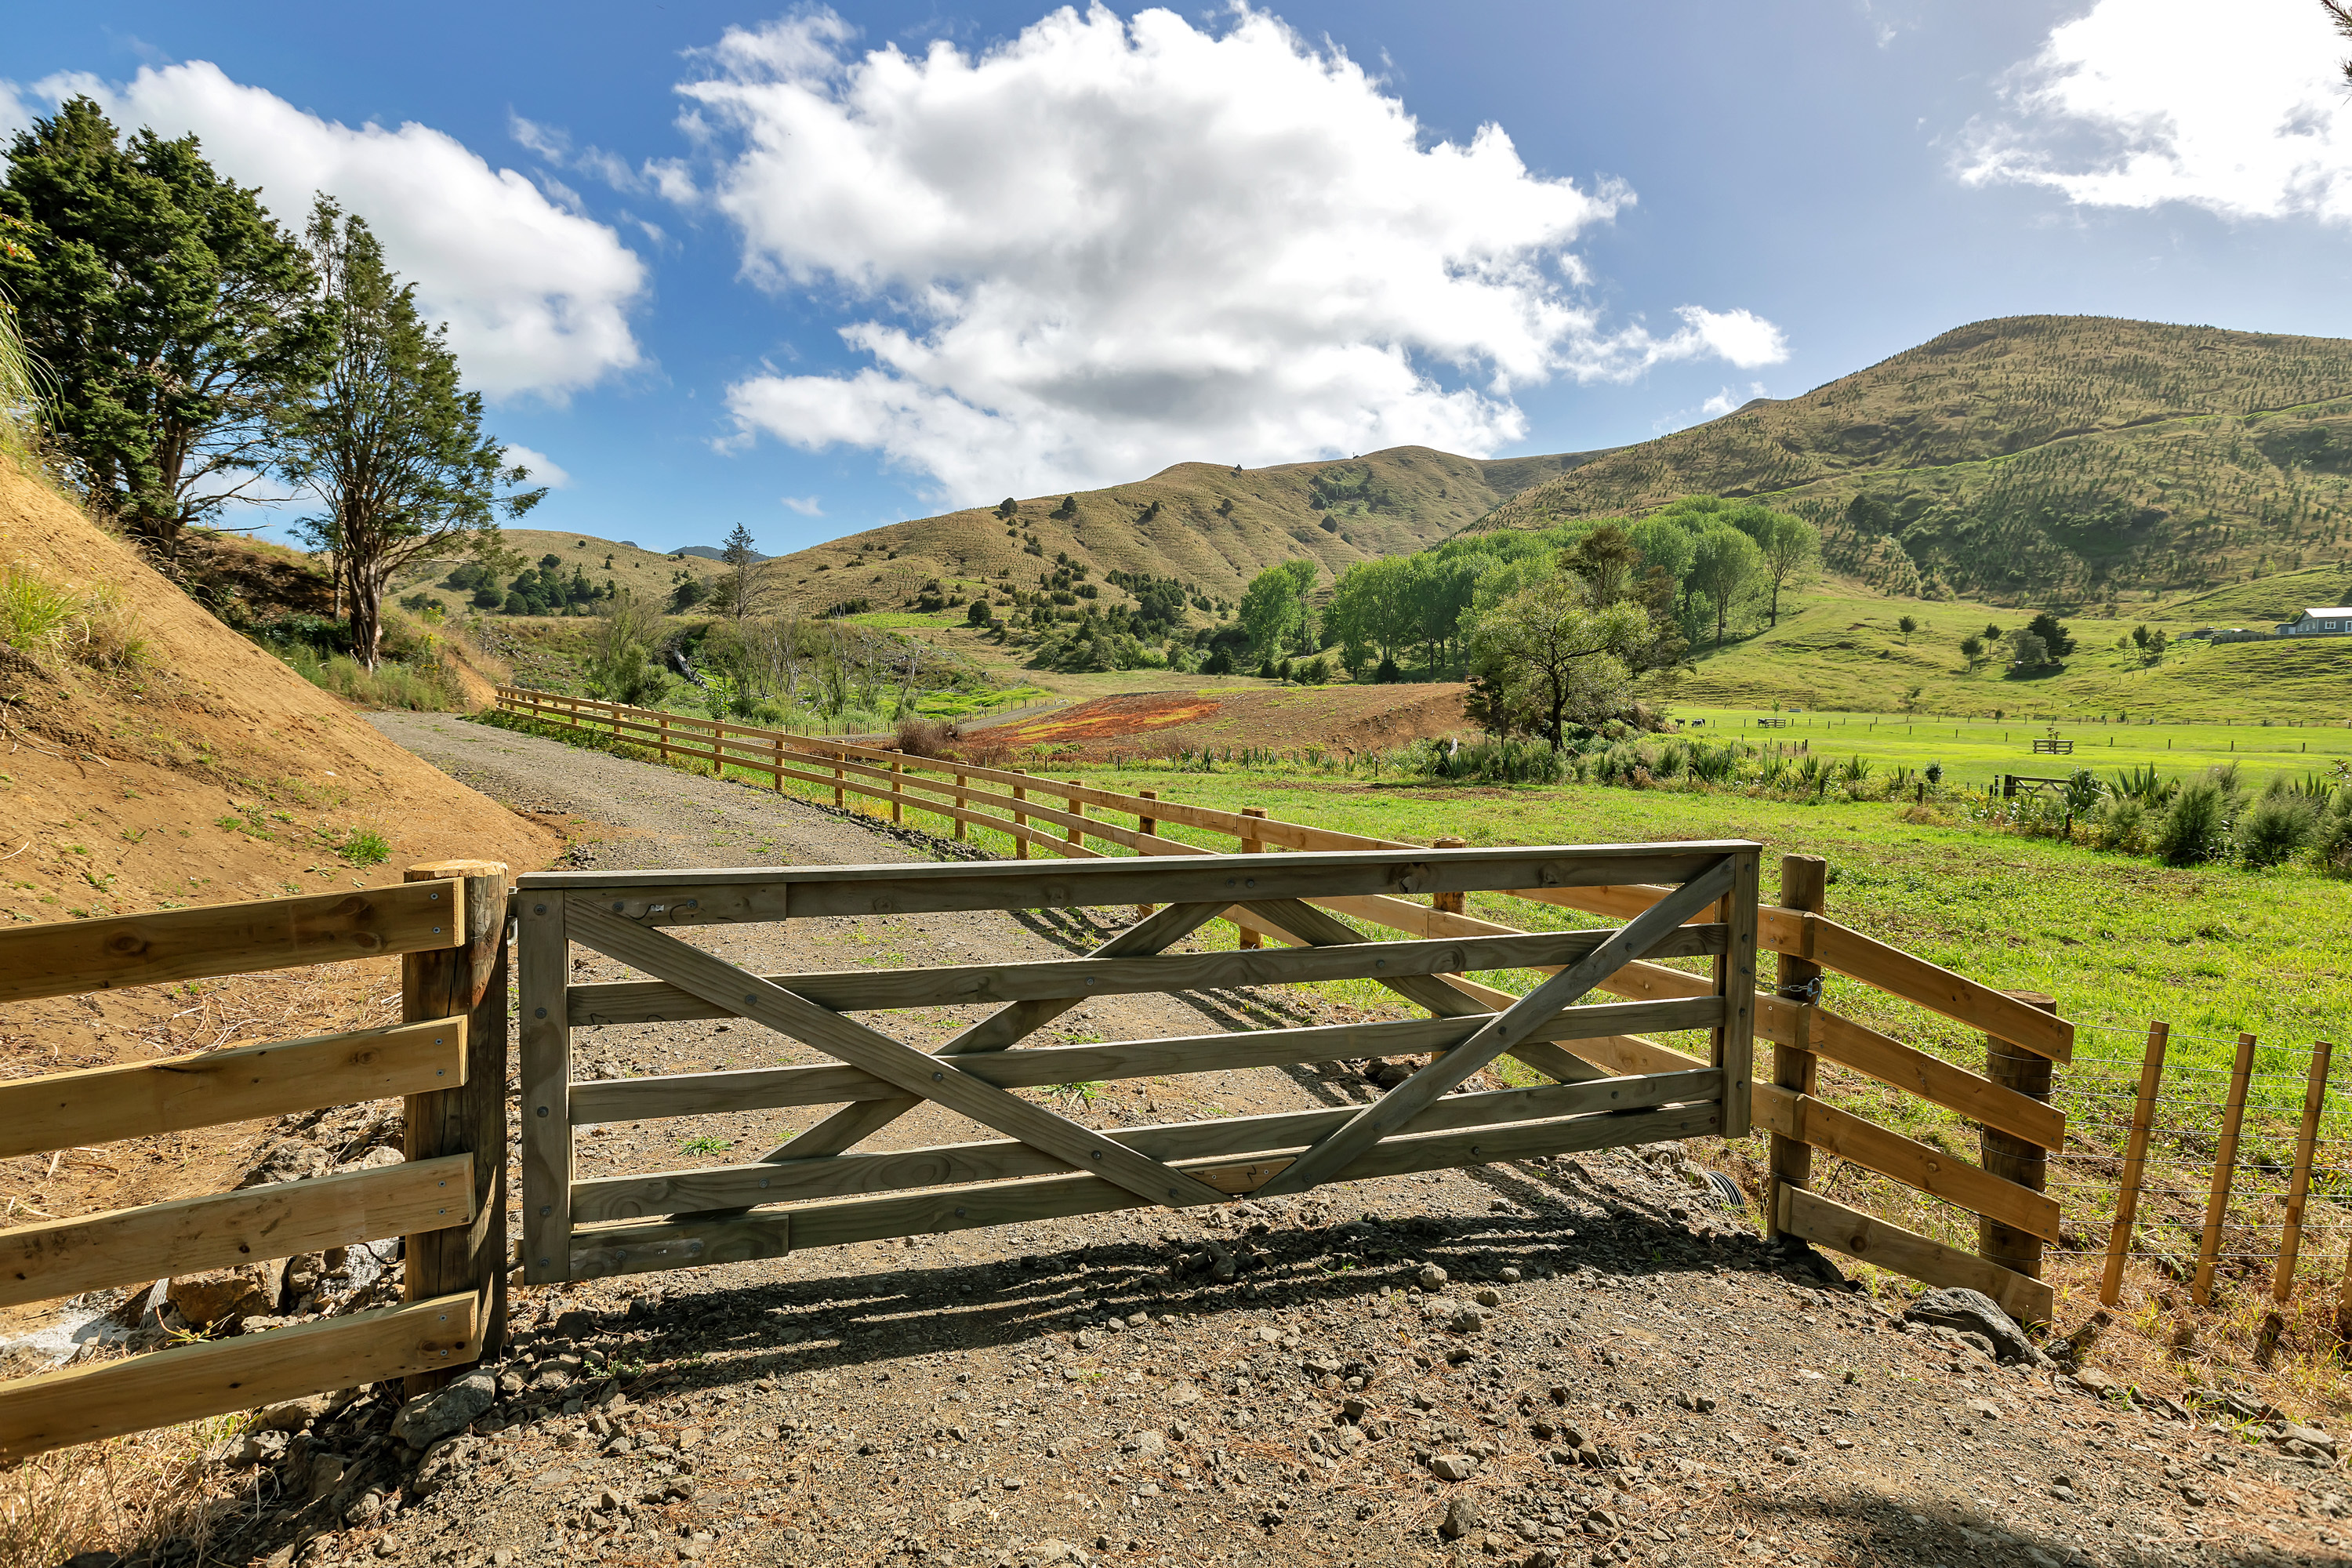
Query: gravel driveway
1582	1360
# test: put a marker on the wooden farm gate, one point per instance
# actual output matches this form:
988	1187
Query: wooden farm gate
822	1189
2009	1100
446	1200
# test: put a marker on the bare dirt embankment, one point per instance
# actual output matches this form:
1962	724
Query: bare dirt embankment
201	771
1338	718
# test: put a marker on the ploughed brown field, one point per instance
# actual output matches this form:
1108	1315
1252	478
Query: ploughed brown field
1338	718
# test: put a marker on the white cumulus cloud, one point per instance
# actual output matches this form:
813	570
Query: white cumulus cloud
805	505
2240	110
1106	246
544	469
537	298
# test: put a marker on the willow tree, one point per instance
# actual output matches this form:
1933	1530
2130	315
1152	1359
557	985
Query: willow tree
389	443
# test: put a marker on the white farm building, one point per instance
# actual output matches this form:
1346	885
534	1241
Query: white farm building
2319	623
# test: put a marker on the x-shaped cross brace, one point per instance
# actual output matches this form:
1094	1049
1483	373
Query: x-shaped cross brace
922	1076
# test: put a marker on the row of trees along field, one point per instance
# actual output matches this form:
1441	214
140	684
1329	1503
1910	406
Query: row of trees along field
192	347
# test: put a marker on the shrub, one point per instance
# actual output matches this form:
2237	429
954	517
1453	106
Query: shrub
40	619
1492	761
2276	828
979	614
364	846
2333	836
924	737
2195	828
2122	824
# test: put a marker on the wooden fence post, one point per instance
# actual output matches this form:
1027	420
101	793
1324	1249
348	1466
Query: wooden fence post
1020	819
897	790
1805	885
961	805
2315	1100
2225	1170
2119	1237
1248	936
1449	904
467	980
2013	1158
1077	808
838	758
1148	828
664	740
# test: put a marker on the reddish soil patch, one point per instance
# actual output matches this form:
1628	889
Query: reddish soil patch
1278	719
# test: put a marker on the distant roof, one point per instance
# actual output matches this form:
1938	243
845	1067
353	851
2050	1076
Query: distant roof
2324	613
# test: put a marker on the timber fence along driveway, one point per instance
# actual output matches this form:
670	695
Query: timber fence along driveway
821	1188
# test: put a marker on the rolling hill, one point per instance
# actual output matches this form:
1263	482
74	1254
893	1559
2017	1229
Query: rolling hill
2064	459
1210	526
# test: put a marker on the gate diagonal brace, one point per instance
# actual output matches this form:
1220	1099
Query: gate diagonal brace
748	997
1008	1026
1335	1151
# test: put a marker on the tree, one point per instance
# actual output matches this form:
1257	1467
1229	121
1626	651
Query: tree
746	578
2027	650
2052	632
177	317
389	443
1972	648
1609	561
1546	658
1790	547
1274	609
2340	13
1725	563
1372	609
620	668
1907	625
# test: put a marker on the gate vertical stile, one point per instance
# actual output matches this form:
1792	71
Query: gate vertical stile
1734	1045
543	964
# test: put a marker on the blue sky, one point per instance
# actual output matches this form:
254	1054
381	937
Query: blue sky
803	270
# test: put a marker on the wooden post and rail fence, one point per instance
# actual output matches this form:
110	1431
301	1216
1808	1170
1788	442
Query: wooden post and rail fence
445	1058
2009	1103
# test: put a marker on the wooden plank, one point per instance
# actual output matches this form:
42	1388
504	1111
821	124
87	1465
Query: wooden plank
902	888
1833	1224
222	1230
1733	1044
61	957
542	967
767	1089
107	1399
468	982
840	1175
626	1249
929	1076
1385	1116
1915	1165
139	1100
1890	1062
2119	1235
948	985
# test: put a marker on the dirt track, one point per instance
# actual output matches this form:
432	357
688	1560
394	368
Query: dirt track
1636	1379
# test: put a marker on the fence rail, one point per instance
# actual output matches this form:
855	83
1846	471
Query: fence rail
446	1060
1008	801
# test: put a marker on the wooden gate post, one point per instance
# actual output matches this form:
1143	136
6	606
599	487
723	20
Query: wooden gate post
2225	1171
467	980
543	1028
1453	903
1248	936
1805	885
2119	1238
1147	827
1020	819
2307	1142
2013	1158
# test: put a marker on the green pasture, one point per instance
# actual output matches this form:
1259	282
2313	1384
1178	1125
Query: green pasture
1977	751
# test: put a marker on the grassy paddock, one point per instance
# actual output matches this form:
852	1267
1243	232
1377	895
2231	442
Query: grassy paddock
1976	751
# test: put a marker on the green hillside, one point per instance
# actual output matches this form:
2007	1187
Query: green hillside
2035	459
1212	527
